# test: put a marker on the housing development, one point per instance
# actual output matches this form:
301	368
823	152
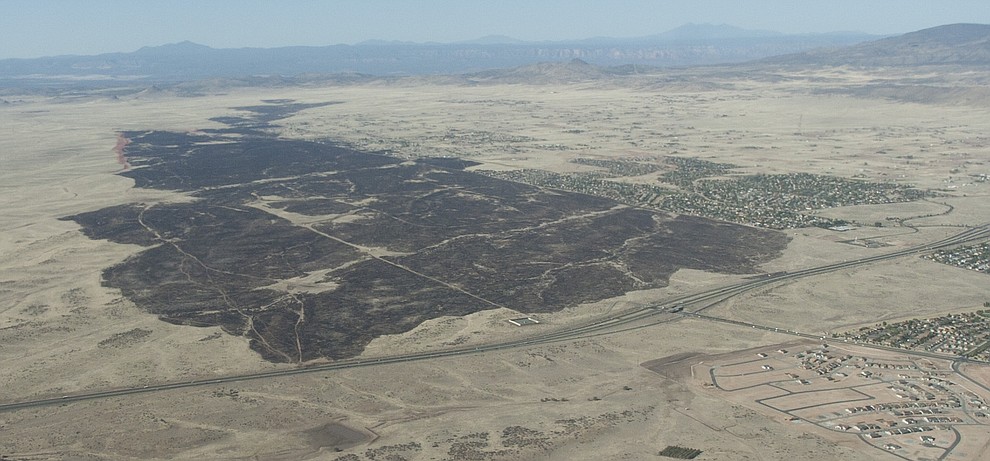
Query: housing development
963	334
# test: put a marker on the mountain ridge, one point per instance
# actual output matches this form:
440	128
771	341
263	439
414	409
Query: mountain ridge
688	45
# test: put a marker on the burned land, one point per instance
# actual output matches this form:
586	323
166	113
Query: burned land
561	193
312	250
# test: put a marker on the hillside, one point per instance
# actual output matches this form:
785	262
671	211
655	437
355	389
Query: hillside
954	44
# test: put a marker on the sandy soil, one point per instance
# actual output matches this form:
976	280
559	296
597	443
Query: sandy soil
62	332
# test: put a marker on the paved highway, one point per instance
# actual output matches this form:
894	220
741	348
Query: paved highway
638	318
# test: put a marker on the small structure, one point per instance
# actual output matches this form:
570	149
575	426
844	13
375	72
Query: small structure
523	321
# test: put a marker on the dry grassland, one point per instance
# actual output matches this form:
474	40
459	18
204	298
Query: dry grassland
62	332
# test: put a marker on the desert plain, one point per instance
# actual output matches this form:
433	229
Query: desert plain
64	332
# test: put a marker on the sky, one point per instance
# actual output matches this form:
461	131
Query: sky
34	28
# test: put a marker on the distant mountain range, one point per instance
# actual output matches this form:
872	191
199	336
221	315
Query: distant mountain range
500	58
692	44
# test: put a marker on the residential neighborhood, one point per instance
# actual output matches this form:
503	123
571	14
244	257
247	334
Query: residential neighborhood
973	257
704	188
964	334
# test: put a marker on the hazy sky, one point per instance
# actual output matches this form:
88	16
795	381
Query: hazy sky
32	28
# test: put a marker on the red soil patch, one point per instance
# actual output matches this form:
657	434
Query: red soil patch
122	142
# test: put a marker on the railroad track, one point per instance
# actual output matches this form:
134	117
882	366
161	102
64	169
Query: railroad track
688	306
